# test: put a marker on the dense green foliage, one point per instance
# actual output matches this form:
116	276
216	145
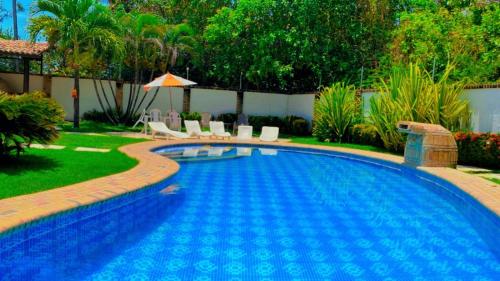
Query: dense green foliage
412	95
278	45
25	119
43	169
481	150
334	112
294	45
365	134
469	39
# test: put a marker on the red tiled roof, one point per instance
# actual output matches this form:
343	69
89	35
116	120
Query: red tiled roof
22	48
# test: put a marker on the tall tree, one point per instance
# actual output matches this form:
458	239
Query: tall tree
74	28
14	20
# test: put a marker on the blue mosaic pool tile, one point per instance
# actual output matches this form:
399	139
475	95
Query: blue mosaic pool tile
293	216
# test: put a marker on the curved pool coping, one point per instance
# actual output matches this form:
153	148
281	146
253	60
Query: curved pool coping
153	168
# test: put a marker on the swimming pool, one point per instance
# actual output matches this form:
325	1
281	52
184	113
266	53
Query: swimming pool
260	213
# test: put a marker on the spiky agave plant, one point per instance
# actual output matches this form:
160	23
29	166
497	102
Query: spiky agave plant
412	95
334	111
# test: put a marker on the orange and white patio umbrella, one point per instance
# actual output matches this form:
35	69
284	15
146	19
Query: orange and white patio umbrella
168	80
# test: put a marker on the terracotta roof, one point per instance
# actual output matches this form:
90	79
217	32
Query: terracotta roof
22	48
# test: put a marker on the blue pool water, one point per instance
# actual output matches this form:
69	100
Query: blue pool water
274	215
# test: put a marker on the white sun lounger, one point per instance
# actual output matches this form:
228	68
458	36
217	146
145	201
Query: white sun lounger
160	127
217	129
215	151
269	133
244	133
193	129
244	151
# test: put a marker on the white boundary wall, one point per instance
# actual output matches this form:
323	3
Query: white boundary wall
484	105
213	101
162	100
15	81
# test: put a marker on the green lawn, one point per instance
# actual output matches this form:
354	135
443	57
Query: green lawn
97	127
38	169
314	141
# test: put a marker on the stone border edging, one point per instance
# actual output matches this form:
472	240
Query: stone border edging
153	168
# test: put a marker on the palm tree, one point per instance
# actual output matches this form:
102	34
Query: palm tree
14	19
176	40
139	30
78	29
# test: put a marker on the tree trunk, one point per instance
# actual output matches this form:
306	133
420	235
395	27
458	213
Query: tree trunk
76	101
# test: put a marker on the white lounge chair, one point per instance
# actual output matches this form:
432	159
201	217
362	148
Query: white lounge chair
244	132
193	129
269	134
160	127
215	151
217	129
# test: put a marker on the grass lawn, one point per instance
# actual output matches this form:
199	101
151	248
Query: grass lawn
38	169
97	127
314	141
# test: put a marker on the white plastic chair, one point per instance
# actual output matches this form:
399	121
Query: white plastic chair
193	129
217	129
160	127
244	133
155	115
269	134
174	120
142	119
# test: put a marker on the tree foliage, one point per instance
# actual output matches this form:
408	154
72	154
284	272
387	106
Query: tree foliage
295	45
433	38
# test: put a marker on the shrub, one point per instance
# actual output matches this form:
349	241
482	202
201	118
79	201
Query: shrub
482	150
260	121
412	95
191	116
27	118
366	134
295	125
227	117
334	112
96	116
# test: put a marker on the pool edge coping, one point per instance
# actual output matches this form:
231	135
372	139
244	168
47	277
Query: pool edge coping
153	168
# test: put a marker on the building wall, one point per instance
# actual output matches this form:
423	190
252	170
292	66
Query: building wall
61	92
213	101
265	104
485	103
162	100
301	105
15	82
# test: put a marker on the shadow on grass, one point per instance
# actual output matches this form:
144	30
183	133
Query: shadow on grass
26	162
